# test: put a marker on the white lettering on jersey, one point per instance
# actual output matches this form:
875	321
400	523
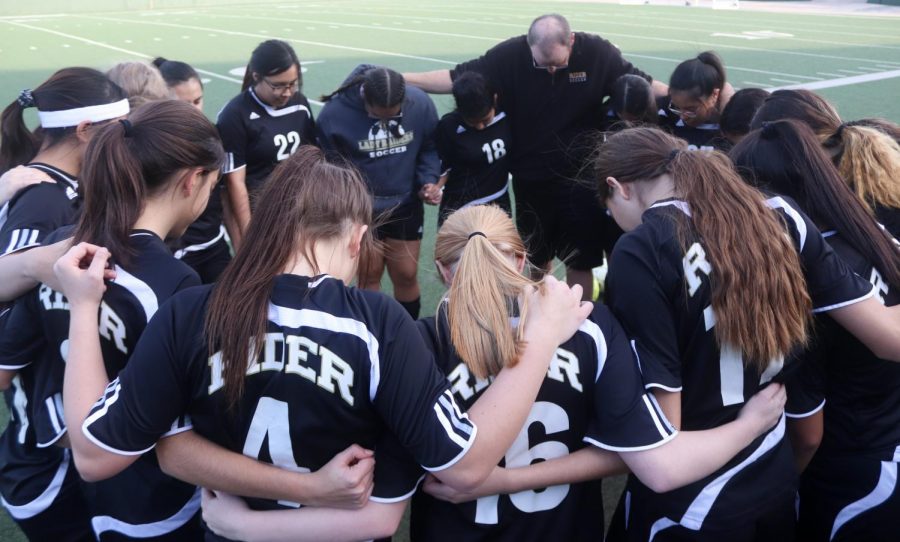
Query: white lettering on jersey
271	423
564	366
51	299
459	382
296	350
881	287
694	261
112	327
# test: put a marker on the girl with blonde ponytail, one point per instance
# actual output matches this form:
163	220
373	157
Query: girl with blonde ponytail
591	417
716	297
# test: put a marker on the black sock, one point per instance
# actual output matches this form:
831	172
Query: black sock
412	307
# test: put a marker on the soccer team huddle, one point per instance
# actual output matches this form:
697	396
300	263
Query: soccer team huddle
193	343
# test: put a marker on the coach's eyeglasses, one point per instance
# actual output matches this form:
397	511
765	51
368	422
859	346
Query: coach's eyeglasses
550	68
281	87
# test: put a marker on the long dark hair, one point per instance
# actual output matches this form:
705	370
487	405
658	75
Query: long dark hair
382	87
128	161
699	76
68	88
868	159
785	157
632	94
307	199
741	108
271	57
762	309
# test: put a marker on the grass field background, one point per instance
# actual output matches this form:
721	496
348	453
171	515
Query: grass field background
855	60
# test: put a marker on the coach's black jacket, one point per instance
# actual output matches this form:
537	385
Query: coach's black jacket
551	114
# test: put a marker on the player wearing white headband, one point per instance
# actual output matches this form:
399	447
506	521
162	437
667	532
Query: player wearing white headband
39	485
70	104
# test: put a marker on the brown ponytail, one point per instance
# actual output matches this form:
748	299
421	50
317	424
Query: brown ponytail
759	292
478	241
307	199
128	161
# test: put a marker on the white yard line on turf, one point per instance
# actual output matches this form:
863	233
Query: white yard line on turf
844	81
497	40
271	36
128	52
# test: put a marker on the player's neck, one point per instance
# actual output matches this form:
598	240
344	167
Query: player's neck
63	156
157	216
333	259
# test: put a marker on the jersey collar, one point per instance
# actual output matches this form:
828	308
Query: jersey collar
286	110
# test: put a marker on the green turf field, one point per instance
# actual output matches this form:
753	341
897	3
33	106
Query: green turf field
852	60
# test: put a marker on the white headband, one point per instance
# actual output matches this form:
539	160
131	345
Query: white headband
92	113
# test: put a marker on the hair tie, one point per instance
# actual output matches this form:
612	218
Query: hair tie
129	129
840	131
26	99
474	233
672	156
769	131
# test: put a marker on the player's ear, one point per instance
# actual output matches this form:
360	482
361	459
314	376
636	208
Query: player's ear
616	186
82	131
520	262
445	273
190	181
356	236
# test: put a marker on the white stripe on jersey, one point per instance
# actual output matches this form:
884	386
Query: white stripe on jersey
4	213
22	238
110	396
448	427
180	425
102	524
682	205
46	498
779	203
698	510
280	112
649	385
446	400
497	118
179	254
139	289
887	482
596	333
54	413
296	318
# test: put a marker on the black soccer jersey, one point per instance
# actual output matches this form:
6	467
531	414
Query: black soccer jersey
861	392
339	366
257	136
592	394
661	292
38	210
476	161
707	136
42	318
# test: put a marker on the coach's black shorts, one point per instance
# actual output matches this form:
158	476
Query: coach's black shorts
849	498
563	219
404	222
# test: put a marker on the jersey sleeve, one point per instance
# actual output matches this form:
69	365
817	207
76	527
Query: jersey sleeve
397	475
130	417
443	142
414	398
805	374
638	300
38	211
234	137
830	281
625	416
21	334
428	163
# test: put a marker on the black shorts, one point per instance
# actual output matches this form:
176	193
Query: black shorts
403	222
210	261
67	519
449	205
560	218
849	498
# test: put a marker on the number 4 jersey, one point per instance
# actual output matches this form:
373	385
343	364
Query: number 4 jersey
338	366
593	394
